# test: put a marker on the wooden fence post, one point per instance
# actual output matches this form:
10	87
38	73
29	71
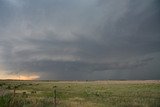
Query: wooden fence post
14	93
55	102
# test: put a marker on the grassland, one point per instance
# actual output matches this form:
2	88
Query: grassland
79	93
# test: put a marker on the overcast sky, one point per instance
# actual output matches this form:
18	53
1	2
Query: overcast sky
80	39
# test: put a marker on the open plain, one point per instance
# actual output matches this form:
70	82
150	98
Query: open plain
80	93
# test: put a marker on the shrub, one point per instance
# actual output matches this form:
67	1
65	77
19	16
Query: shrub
5	100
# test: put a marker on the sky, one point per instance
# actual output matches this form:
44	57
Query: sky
80	39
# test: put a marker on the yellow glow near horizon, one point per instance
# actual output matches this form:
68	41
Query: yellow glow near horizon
32	77
4	75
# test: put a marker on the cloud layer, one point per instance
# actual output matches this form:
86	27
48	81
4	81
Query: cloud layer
79	39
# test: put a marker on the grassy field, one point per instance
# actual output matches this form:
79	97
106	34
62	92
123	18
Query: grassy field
79	93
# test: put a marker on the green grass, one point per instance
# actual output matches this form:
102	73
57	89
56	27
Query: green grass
80	94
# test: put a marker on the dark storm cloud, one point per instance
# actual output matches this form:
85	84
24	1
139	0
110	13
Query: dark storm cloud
79	39
76	69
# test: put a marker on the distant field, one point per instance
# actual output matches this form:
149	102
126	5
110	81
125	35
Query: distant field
80	93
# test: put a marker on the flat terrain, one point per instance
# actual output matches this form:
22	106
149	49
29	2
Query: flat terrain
80	93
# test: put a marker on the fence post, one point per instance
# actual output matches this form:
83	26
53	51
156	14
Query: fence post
55	102
14	93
